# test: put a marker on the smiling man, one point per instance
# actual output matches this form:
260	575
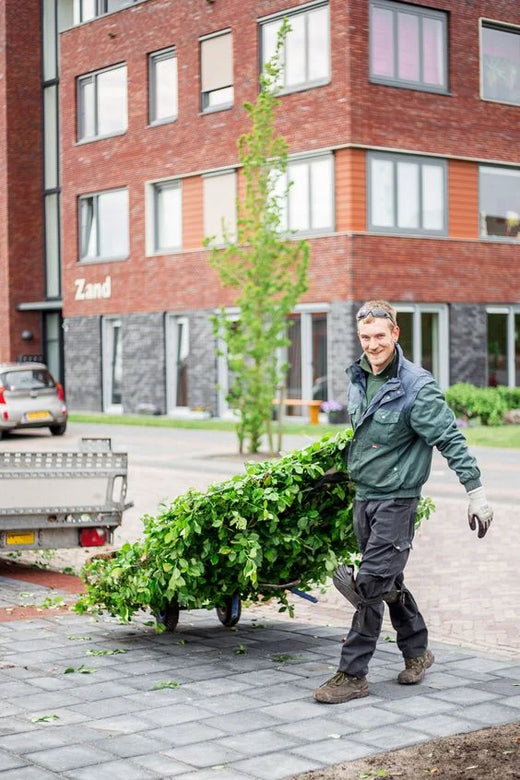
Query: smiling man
398	414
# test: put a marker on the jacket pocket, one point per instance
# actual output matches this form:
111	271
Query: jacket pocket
384	425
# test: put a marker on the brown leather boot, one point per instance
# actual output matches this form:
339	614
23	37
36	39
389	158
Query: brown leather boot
415	668
340	688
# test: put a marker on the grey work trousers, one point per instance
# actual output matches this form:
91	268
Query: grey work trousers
384	530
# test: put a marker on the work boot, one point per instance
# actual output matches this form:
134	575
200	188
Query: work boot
415	668
340	688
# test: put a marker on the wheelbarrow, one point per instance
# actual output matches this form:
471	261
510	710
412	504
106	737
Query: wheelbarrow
230	610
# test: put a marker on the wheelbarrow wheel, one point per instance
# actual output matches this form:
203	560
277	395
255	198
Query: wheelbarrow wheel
170	617
229	612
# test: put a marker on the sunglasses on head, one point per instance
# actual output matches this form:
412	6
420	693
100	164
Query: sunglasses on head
363	313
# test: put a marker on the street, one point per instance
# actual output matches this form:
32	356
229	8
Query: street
468	589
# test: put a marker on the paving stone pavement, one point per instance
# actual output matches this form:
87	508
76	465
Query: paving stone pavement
90	699
208	701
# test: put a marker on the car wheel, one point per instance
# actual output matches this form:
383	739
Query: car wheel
58	430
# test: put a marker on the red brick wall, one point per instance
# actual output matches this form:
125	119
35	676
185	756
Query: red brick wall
459	123
349	110
21	225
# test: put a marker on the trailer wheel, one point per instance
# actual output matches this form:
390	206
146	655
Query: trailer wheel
229	612
170	616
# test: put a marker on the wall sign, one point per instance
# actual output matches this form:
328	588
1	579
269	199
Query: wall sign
87	291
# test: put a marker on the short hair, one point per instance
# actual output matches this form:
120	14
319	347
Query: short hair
376	308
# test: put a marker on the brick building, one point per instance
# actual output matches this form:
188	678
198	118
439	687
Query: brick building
402	119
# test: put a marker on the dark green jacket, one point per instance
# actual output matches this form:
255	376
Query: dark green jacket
390	453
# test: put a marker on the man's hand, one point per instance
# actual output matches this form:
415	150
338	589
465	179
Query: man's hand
479	511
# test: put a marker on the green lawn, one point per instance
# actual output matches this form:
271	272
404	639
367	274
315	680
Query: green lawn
502	436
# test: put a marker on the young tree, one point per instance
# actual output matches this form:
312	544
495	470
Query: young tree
268	270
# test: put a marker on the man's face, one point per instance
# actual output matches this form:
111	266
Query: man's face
378	339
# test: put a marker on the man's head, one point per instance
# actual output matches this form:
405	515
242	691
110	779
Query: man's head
378	333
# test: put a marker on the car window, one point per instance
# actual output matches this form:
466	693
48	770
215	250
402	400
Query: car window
31	379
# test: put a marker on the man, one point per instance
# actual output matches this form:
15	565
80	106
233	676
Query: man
398	415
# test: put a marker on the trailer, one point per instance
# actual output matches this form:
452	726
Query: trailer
57	500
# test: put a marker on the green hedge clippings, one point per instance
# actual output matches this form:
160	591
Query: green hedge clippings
282	520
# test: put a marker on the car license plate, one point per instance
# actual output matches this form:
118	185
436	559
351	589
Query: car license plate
38	416
21	537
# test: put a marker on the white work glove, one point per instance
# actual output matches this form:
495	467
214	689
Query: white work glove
479	511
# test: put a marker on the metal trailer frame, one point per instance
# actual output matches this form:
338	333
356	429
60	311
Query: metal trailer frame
44	524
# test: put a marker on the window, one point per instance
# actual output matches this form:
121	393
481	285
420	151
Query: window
216	71
220	206
408	46
102	103
163	86
306	52
307	195
166	216
503	346
103	225
177	358
424	336
406	194
307	356
85	10
112	347
499	202
501	63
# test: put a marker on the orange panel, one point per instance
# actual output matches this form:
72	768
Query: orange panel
463	199
350	190
192	224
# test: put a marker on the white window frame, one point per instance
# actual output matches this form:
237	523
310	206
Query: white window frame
108	327
153	190
276	20
395	159
499	27
422	13
284	188
510	312
97	8
305	311
153	59
94	79
95	197
443	356
220	95
175	348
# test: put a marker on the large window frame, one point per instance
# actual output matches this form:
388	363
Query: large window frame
163	97
95	108
306	195
499	62
507	224
423	18
503	367
306	58
421	340
94	217
393	196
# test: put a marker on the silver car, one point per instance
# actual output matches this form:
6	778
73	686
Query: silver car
30	398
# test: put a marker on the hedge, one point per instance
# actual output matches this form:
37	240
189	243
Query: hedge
485	405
